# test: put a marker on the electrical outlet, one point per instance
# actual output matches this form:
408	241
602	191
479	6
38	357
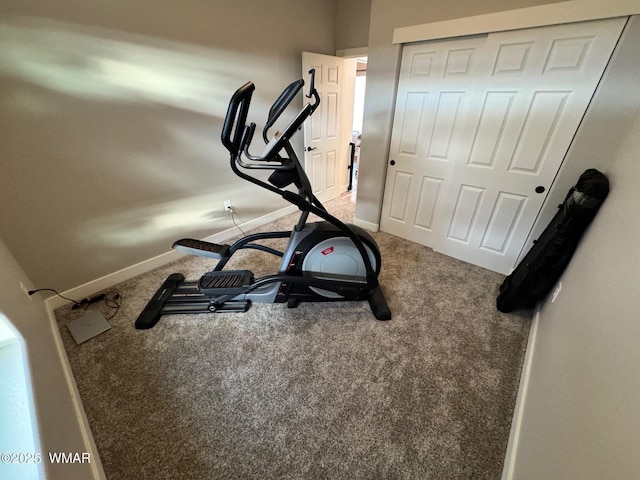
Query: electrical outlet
227	206
25	290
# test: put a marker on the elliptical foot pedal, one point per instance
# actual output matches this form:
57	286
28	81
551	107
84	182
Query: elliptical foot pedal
227	282
201	248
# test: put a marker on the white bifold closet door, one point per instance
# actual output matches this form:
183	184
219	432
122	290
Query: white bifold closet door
481	127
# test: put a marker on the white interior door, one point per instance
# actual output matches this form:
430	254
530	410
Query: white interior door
322	132
434	83
481	128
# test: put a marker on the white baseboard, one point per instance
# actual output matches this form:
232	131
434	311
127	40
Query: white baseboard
127	273
516	422
97	471
372	227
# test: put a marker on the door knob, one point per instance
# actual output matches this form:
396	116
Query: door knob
392	162
308	149
539	189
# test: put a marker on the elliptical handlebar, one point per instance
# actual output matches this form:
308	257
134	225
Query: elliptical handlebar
237	135
312	90
237	116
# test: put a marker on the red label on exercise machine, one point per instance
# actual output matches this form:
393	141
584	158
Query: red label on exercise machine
327	251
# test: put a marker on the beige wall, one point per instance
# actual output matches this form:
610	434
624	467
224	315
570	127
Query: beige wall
352	23
111	118
578	411
382	71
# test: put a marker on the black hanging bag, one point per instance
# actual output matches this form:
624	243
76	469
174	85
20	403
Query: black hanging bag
541	268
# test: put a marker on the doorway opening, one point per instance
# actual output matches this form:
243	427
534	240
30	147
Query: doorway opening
357	123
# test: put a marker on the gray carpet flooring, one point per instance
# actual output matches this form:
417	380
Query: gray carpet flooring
322	391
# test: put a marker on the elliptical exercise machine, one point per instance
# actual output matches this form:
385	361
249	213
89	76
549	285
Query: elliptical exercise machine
323	261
